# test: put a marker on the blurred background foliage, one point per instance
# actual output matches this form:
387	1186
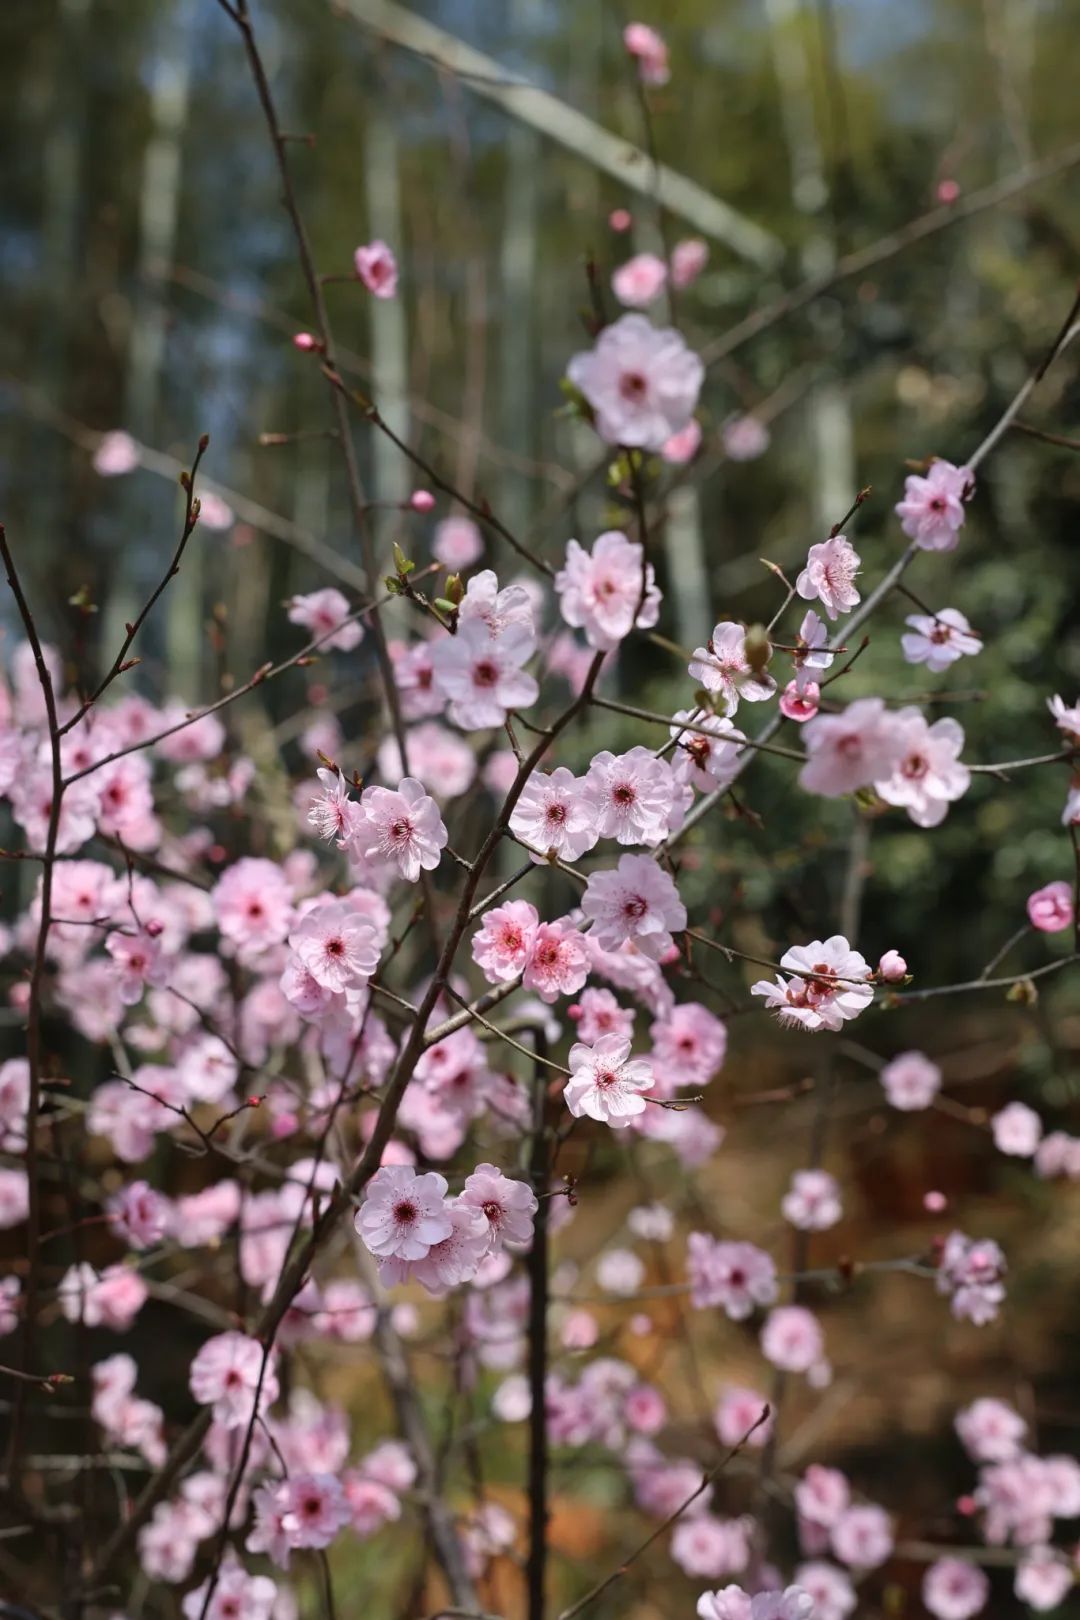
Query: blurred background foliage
149	283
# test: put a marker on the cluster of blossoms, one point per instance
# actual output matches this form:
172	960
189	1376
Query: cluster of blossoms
205	967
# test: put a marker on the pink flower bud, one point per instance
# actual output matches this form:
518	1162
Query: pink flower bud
934	1202
422	500
1051	909
948	191
892	968
306	342
620	219
574	1011
154	927
800	705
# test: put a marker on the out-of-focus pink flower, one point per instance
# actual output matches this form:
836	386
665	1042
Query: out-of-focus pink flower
911	1081
1017	1130
640	281
932	511
650	52
954	1589
139	1214
323	613
377	268
234	1375
736	1414
682	447
458	543
947	191
620	220
862	1537
735	1276
812	1203
1051	909
970	1271
744	438
850	750
688	260
792	1339
422	500
990	1430
116	454
215	513
641	381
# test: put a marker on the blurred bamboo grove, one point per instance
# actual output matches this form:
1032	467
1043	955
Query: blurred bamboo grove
150	284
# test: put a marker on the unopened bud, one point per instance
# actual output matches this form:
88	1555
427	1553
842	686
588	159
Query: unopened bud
422	500
758	648
892	968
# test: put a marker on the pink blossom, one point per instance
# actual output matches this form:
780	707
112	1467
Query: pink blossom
822	1496
710	1547
892	969
745	438
457	544
371	1503
483	678
414	672
508	1206
829	575
112	1299
607	591
971	1270
502	944
499	608
641	381
1058	1154
558	963
338	948
402	828
735	1276
443	762
800	703
830	1589
990	1430
640	281
620	220
938	640
683	446
850	750
403	1214
927	775
689	1043
552	814
313	1509
953	1588
650	52
10	1290
598	1013
792	1339
862	1537
830	985
323	613
707	755
813	1201
1017	1130
253	904
14	1198
1051	908
722	666
732	1603
215	513
630	796
116	454
236	1596
688	259
138	961
455	1259
811	649
911	1081
637	902
422	500
606	1082
234	1375
139	1214
1044	1578
932	511
737	1412
377	268
1066	719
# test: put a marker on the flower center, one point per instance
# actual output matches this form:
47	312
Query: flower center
404	1213
485	674
635	906
633	387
